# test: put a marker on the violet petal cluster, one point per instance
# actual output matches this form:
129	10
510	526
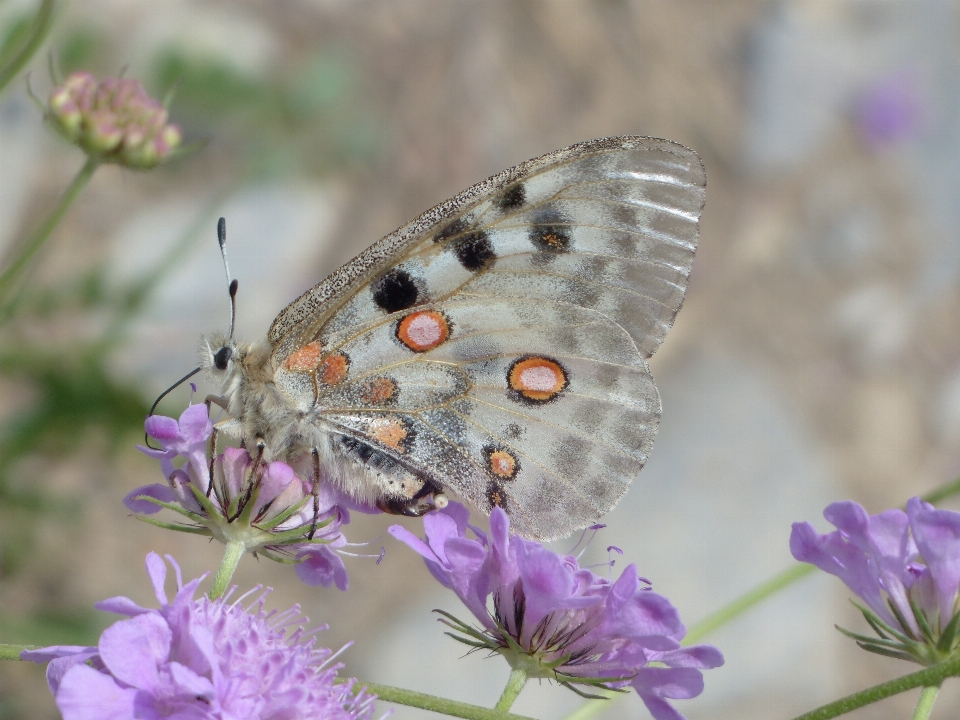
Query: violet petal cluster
200	659
556	620
266	506
114	119
904	565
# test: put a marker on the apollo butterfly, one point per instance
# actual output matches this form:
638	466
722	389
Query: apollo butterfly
495	346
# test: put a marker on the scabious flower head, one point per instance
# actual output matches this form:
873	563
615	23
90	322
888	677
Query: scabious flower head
556	620
115	119
200	659
266	506
904	565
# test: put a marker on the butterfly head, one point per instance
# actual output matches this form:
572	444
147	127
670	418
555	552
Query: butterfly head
218	356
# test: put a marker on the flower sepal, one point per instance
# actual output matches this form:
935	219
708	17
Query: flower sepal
927	650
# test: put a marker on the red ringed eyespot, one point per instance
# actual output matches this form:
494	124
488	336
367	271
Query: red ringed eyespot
536	378
424	330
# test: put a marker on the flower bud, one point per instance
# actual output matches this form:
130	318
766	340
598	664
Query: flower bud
115	120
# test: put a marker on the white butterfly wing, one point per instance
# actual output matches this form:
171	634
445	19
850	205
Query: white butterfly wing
496	344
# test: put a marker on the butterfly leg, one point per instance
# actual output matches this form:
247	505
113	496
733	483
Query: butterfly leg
229	427
254	481
315	491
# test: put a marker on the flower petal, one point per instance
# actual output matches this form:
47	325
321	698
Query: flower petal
937	533
164	493
133	650
162	428
86	694
321	566
157	571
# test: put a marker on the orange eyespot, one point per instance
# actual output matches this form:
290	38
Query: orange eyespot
306	359
333	370
422	331
537	378
502	463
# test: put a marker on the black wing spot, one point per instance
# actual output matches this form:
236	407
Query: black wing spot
396	290
513	197
457	227
475	251
496	497
550	231
513	431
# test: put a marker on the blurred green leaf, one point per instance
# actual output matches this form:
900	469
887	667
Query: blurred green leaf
79	49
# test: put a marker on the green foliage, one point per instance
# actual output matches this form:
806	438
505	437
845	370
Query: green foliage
305	119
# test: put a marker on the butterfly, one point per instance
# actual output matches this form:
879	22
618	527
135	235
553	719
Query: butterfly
495	346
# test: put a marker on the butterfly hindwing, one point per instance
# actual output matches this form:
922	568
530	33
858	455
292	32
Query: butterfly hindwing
496	344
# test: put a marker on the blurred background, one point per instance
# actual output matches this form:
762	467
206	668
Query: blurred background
817	356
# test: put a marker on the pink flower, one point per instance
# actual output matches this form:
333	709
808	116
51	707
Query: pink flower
114	119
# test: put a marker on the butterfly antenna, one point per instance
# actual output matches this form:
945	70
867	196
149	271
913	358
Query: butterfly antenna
232	285
146	438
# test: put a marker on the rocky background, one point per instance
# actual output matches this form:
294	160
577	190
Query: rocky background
817	357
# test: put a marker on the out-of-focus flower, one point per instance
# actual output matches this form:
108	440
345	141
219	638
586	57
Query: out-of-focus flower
200	659
891	110
904	565
115	120
265	506
556	620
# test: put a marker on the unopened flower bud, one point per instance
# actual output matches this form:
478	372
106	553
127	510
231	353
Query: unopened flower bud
115	120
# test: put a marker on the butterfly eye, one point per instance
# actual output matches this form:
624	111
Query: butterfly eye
222	357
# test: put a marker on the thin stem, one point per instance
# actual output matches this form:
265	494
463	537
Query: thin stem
929	677
38	33
746	601
31	246
231	558
12	652
436	704
942	492
518	678
928	696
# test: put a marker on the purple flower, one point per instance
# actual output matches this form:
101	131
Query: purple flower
556	620
267	507
200	659
185	437
891	110
904	565
115	120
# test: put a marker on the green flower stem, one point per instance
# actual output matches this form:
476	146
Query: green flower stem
746	601
231	558
928	678
436	704
518	678
38	33
928	696
12	652
31	246
942	492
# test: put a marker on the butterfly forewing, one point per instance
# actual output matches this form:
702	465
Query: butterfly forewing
496	344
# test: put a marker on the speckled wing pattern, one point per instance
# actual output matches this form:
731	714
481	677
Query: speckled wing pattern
496	345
